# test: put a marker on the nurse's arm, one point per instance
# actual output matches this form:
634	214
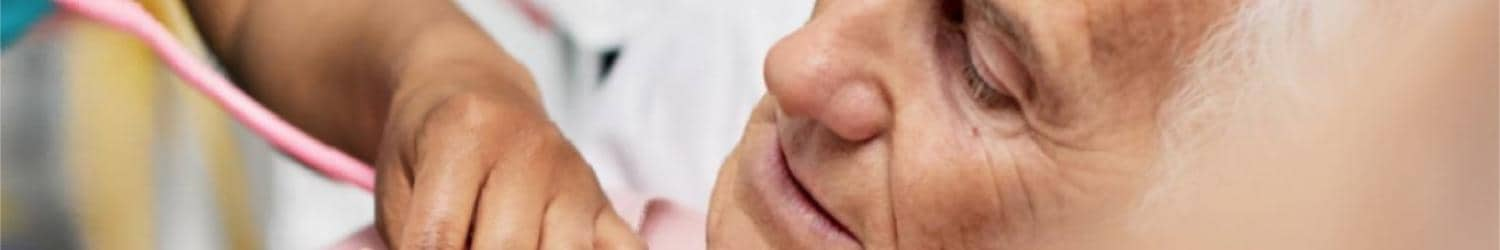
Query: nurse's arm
465	155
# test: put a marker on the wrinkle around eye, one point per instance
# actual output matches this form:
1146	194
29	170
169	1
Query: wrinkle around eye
1004	111
998	63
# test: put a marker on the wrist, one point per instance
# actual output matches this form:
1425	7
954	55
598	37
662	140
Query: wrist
445	51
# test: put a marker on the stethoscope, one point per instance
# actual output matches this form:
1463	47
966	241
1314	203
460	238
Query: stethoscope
133	19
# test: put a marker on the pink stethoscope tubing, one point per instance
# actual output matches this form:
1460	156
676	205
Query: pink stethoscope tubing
132	18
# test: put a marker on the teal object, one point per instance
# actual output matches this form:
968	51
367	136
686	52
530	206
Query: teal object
16	16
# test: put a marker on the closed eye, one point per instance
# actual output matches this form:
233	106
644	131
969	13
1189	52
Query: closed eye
955	26
980	89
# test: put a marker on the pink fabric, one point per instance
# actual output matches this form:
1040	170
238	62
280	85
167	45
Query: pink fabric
661	223
129	16
533	13
667	225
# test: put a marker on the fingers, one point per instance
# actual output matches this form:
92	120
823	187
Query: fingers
477	182
392	196
612	233
569	223
392	188
569	219
513	202
453	166
547	199
440	210
511	213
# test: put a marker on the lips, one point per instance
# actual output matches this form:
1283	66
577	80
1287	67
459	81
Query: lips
789	212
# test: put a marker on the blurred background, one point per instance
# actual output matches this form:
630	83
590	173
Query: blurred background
103	148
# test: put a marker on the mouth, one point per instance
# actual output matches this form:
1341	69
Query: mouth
792	212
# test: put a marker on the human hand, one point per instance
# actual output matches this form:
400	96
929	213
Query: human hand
466	164
464	154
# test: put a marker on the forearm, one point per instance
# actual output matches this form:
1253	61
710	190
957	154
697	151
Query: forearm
334	68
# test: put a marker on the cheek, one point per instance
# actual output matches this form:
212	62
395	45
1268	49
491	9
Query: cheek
954	180
944	188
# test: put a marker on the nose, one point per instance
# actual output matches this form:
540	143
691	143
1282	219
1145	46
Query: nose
824	72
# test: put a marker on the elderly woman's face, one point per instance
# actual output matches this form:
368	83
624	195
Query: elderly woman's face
930	124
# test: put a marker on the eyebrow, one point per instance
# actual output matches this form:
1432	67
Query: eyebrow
999	17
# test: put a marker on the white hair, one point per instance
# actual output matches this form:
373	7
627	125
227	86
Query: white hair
1242	78
1248	65
1249	74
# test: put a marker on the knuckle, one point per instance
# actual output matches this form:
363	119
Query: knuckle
439	233
437	241
466	109
519	134
480	112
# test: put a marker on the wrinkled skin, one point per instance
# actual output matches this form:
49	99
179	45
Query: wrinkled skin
872	109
